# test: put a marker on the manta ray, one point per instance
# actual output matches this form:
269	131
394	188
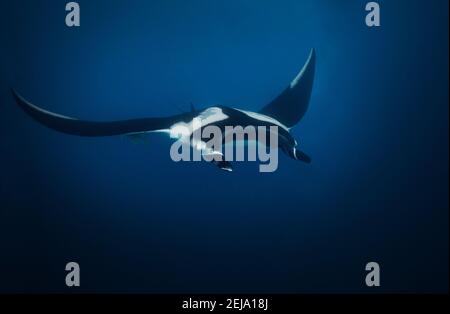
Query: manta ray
284	112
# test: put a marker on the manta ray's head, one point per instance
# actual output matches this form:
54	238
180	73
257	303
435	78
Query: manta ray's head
292	149
289	145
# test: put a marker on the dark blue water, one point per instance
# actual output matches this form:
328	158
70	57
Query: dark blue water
135	221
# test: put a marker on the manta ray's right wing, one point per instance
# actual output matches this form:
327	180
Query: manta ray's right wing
291	105
92	128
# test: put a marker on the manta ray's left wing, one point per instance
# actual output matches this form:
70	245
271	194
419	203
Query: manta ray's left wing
92	128
291	105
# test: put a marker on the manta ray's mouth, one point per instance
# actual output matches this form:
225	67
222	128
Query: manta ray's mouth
299	155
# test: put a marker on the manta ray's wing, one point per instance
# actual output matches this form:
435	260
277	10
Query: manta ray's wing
91	128
291	105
